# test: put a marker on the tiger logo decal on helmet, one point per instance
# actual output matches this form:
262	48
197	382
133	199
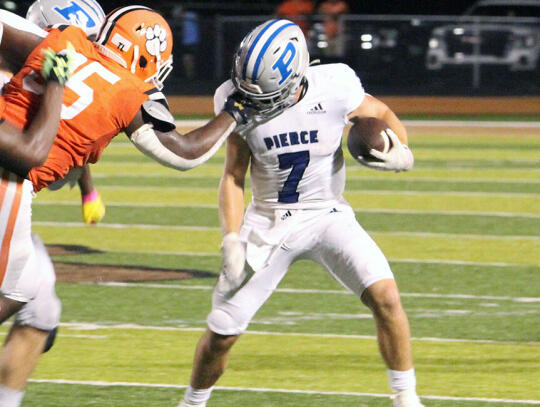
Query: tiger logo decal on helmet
139	39
156	40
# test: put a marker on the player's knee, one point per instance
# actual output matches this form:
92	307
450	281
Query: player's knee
223	323
383	298
43	312
217	344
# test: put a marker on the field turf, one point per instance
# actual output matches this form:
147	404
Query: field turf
461	232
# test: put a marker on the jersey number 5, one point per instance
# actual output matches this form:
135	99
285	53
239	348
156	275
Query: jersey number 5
76	84
298	161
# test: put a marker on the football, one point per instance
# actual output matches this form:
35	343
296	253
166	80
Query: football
366	134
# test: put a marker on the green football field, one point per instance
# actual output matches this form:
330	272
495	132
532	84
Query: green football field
462	233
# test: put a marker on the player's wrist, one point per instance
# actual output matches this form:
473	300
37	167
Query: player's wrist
90	197
230	237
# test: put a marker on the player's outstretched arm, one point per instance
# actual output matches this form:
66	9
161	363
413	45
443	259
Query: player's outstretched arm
153	132
21	150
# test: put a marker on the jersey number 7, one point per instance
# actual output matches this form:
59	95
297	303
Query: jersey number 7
298	161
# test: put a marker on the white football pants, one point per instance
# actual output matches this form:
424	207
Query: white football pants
275	239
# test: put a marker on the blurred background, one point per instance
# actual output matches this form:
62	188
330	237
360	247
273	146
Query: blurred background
447	48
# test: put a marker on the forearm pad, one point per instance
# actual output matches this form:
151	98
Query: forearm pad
147	141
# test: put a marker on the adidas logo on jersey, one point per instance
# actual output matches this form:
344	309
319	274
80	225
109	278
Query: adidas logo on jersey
317	109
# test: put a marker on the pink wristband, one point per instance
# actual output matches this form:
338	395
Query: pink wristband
91	197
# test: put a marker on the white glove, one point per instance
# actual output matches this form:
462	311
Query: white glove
398	158
233	272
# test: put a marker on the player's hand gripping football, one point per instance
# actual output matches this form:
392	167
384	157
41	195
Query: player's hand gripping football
398	158
233	272
93	209
57	66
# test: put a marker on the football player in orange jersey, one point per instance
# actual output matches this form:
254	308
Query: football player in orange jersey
115	86
88	15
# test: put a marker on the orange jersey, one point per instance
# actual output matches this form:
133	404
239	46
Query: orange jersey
100	100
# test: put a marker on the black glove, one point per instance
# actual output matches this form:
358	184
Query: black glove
240	108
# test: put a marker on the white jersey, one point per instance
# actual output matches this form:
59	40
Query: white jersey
297	161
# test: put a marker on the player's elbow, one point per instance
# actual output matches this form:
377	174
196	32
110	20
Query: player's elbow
22	161
35	159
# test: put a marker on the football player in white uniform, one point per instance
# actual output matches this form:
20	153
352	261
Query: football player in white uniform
298	210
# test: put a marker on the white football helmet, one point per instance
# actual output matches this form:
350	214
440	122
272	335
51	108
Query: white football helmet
270	64
86	14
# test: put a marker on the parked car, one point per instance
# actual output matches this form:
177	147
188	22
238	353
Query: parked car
516	45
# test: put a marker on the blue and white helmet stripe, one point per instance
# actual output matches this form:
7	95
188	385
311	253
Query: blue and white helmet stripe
86	14
266	46
254	44
268	32
270	63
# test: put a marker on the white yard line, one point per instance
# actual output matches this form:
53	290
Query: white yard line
105	225
472	123
135	204
82	336
277	390
422	123
91	326
420	261
368	210
426	168
97	174
320	291
348	192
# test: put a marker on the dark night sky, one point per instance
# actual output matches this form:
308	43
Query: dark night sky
357	6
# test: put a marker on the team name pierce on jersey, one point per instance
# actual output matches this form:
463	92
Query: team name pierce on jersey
291	138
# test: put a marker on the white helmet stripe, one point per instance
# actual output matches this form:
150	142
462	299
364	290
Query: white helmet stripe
111	21
253	44
256	47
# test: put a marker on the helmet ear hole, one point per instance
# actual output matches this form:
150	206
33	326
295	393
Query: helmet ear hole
142	61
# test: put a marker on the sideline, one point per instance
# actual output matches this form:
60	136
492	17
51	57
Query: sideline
91	326
320	291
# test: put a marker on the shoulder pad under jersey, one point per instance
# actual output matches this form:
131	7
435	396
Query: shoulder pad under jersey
155	112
